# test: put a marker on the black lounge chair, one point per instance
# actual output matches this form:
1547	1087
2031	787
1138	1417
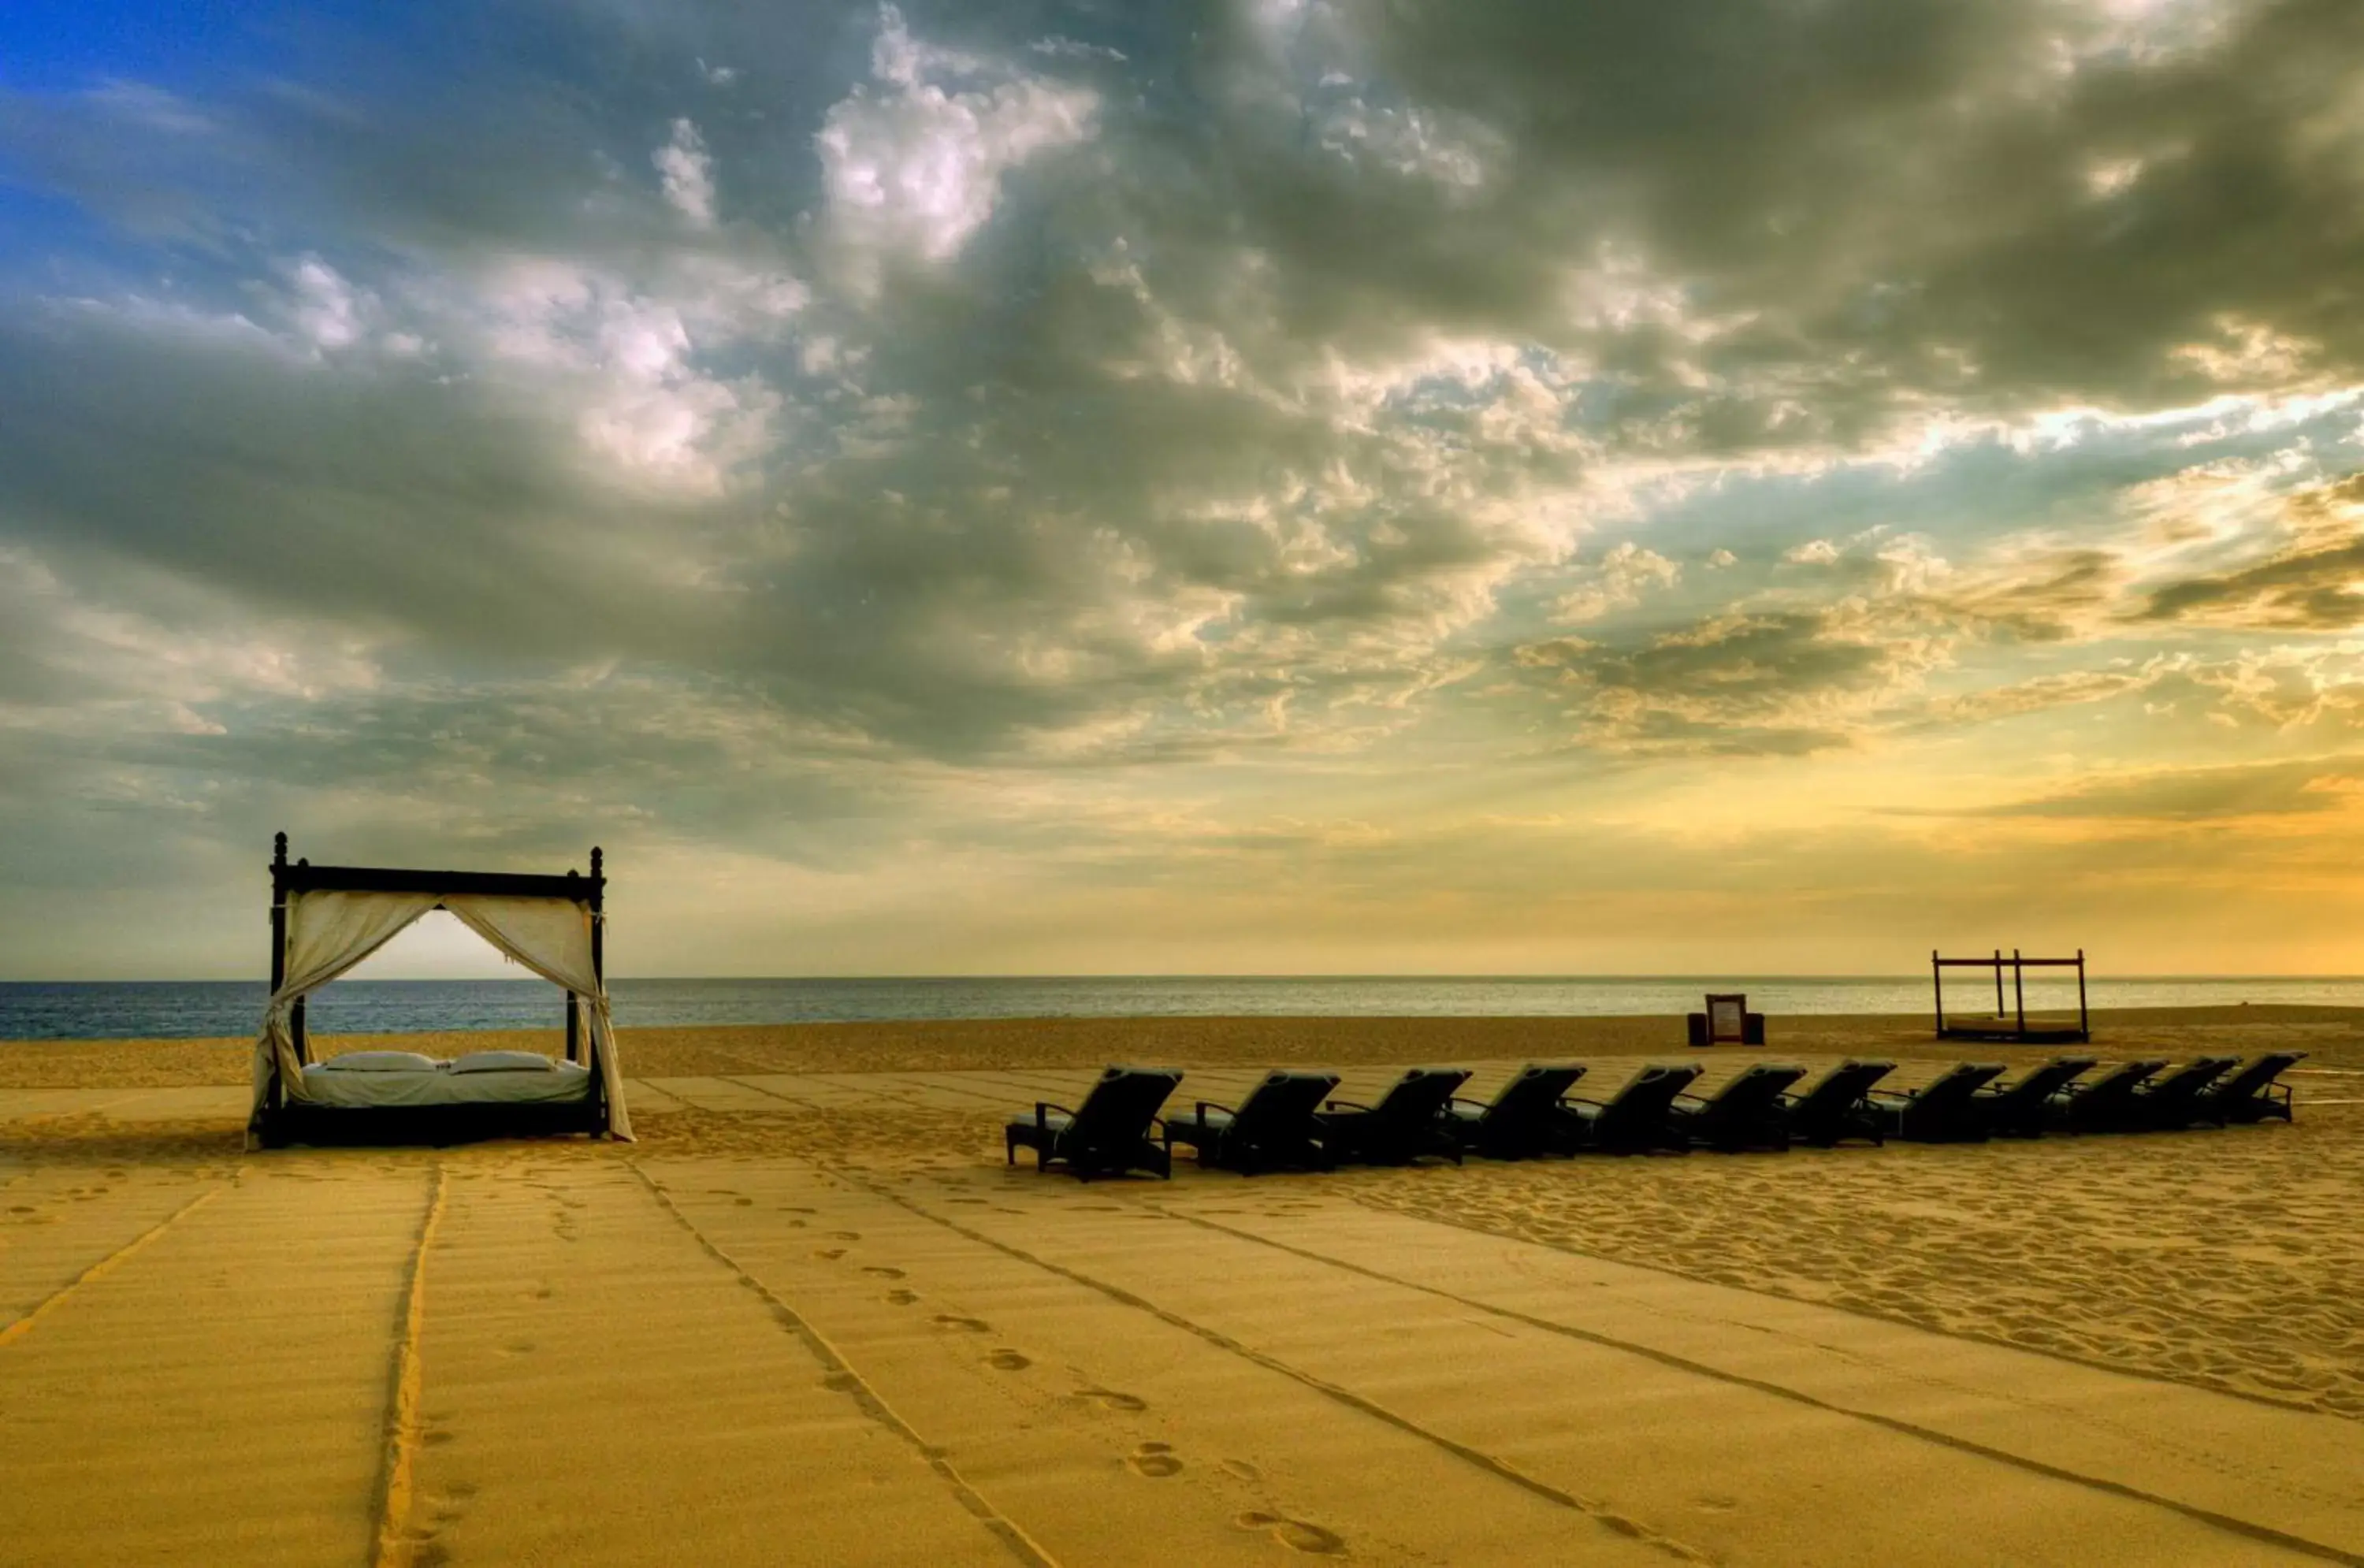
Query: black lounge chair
2175	1102
2017	1109
1637	1117
1744	1114
2252	1095
1835	1109
1408	1123
1108	1135
2105	1105
1273	1127
1943	1110
1524	1118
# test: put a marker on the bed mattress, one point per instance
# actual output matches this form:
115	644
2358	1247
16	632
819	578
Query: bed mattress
559	1084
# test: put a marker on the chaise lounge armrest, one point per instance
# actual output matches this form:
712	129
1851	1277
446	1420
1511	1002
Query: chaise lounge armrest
1344	1105
1199	1111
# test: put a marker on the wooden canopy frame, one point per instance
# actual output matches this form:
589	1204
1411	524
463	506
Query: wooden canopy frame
2017	1032
303	876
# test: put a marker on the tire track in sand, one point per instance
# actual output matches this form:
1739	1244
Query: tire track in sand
57	1298
394	1547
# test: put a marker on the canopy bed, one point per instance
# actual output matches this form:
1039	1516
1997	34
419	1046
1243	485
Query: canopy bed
326	919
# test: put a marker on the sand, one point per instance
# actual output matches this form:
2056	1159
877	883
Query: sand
812	1318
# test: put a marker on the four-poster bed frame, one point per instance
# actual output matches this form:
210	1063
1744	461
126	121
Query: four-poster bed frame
282	1115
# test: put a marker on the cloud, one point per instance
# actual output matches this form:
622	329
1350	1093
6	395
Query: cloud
689	173
1626	572
2202	795
1783	683
913	162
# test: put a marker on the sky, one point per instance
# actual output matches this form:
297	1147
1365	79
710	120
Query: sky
1071	486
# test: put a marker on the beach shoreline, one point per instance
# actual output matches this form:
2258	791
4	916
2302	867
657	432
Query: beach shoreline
1183	1041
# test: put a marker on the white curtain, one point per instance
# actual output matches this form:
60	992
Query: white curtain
553	938
328	933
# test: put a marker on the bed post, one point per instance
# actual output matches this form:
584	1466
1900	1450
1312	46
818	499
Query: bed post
1997	968
598	932
599	976
278	912
573	1012
2018	990
296	1028
1937	985
2084	1021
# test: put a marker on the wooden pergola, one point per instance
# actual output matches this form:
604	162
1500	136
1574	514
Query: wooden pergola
2011	1027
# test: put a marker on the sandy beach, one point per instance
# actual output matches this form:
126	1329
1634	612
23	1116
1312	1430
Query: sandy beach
811	1316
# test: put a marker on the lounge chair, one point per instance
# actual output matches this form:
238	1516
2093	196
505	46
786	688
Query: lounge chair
2175	1102
2105	1105
1108	1135
2252	1095
1744	1114
1834	1109
2017	1109
1273	1127
1524	1118
1408	1123
1637	1117
1943	1110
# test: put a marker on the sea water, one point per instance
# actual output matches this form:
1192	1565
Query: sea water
94	1010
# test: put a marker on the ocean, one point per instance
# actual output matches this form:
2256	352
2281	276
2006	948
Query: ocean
183	1010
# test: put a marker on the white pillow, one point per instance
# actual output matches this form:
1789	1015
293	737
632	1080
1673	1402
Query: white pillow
380	1061
503	1061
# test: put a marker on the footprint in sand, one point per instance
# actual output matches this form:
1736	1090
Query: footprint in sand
965	1325
796	1208
1110	1400
883	1273
435	1437
1008	1361
830	1254
845	1235
1156	1460
518	1348
902	1297
1240	1470
744	1202
1295	1534
1715	1502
